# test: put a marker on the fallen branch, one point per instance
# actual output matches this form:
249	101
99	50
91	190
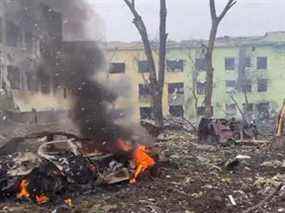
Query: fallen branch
268	198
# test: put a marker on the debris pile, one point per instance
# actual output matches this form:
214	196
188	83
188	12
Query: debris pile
62	167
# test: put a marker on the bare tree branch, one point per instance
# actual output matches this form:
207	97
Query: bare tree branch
227	8
139	23
213	9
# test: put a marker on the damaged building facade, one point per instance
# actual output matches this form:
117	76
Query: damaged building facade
128	66
249	72
26	83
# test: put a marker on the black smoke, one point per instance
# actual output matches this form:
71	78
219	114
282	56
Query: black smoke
91	100
73	64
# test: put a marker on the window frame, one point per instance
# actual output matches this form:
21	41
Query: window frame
112	69
179	85
260	85
260	65
176	62
145	64
229	66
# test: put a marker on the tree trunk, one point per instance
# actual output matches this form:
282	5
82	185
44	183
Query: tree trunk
209	56
157	108
156	77
157	100
210	71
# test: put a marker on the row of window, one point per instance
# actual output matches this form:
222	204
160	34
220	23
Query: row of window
176	111
232	109
18	80
262	85
144	66
14	35
261	63
200	65
260	107
231	64
173	88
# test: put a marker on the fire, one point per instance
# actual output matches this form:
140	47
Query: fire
24	193
41	199
142	160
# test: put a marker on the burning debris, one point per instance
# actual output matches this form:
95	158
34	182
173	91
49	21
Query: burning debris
60	167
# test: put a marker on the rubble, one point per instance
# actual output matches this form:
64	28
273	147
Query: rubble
61	166
192	177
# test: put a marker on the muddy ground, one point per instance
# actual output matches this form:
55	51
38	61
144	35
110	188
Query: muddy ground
193	178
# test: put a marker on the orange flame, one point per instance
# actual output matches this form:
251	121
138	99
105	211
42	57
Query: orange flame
24	193
41	199
142	160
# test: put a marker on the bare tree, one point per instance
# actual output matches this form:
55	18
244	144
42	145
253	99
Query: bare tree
156	75
216	20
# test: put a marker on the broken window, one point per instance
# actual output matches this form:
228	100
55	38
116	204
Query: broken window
176	111
201	111
117	68
201	88
29	40
144	66
231	84
64	93
248	107
230	63
144	90
1	30
262	85
247	62
146	113
45	81
176	88
175	65
12	34
247	87
45	85
200	64
263	109
14	77
261	63
32	82
231	108
262	106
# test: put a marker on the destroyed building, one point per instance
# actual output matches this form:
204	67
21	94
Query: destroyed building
26	83
32	36
249	71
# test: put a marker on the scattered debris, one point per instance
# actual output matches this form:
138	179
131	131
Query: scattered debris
232	200
261	203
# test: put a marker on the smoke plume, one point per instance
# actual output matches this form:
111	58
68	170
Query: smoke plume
91	99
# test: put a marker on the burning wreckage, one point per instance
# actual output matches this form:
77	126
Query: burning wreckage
61	167
106	153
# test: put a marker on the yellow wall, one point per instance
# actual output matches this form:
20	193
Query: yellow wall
133	78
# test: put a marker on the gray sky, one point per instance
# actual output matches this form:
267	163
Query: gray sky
188	19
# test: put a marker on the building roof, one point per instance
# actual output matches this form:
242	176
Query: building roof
269	39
